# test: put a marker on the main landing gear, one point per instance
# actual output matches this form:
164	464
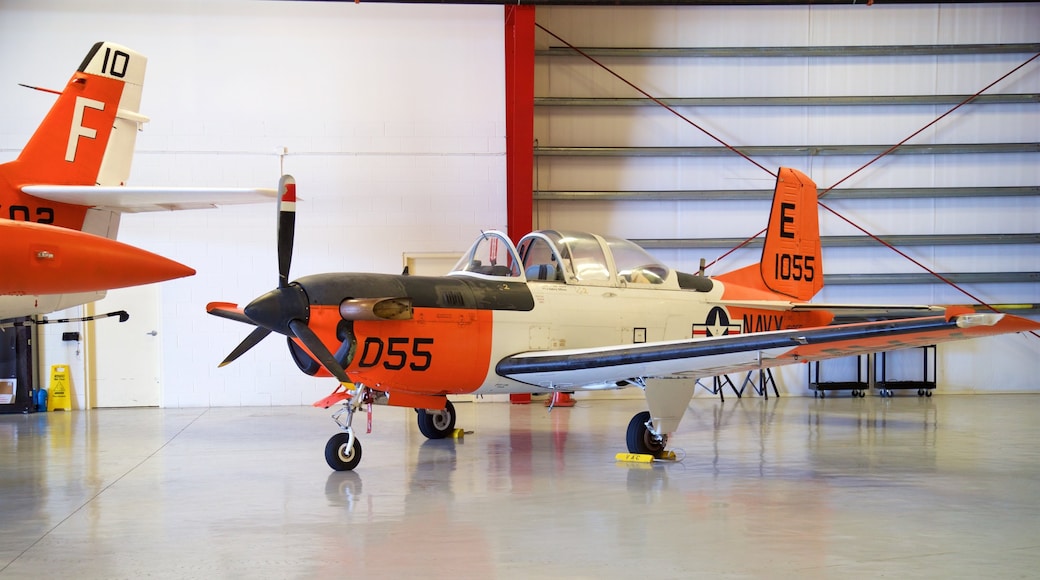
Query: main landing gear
642	439
343	451
437	424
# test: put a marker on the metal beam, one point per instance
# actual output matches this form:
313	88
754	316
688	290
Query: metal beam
519	94
765	194
852	241
795	51
788	101
785	150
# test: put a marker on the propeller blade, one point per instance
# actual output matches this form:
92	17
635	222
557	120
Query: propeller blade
286	227
317	348
258	334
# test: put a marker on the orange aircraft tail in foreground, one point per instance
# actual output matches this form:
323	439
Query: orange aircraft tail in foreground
69	183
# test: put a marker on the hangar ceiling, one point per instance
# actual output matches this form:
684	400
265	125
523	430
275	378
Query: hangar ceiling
613	3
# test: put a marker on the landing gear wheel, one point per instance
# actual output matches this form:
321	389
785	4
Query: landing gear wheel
437	424
640	440
338	456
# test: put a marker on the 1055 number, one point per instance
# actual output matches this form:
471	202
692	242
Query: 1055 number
795	267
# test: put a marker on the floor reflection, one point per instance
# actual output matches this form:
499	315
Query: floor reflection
784	486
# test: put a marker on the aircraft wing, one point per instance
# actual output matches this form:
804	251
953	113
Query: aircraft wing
712	356
132	199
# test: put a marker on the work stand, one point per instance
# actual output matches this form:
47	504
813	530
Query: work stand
858	387
717	384
761	387
924	387
865	379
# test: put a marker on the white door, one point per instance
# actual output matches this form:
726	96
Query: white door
126	354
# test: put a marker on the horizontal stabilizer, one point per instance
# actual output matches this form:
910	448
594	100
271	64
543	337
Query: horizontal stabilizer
130	199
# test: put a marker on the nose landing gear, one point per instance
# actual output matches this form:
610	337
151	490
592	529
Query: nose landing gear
343	450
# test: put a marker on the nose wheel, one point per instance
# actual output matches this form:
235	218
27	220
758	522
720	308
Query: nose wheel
343	452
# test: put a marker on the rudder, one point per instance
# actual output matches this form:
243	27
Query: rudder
792	260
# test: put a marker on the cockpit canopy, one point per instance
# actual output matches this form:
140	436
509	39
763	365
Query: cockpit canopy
567	257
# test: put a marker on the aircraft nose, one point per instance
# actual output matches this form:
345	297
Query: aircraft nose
278	307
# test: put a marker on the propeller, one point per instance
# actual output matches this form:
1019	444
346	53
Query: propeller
286	309
286	227
259	333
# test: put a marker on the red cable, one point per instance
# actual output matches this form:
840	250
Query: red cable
922	129
871	162
829	189
654	99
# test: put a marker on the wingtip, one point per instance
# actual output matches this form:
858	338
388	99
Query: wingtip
980	319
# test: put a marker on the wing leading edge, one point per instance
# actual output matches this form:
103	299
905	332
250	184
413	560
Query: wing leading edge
712	356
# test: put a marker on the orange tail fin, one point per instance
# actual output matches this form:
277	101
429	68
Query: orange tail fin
792	257
88	136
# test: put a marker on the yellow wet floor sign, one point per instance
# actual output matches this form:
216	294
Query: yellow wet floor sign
60	392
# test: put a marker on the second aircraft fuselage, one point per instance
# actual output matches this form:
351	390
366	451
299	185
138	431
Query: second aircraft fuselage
462	326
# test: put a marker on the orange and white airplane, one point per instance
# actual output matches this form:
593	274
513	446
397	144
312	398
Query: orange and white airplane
568	311
61	199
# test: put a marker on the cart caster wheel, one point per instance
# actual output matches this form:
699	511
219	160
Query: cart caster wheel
862	394
928	393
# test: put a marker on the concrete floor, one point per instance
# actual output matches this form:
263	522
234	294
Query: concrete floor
946	487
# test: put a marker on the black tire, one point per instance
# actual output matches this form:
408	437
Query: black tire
437	424
338	456
639	438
